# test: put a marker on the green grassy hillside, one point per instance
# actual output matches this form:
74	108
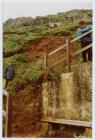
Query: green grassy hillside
24	29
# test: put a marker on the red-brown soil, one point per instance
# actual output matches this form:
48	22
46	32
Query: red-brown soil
48	43
26	113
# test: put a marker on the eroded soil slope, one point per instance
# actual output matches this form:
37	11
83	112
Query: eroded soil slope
48	43
27	109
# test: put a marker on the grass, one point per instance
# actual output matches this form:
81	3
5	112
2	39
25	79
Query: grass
24	71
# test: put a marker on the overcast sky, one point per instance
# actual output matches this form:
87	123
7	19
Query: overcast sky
38	8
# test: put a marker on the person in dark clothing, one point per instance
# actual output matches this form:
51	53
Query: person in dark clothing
9	73
86	40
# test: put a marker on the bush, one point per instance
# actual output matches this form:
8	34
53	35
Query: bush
34	72
72	27
56	72
19	58
26	74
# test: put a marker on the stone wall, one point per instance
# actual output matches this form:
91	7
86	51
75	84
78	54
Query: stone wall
71	96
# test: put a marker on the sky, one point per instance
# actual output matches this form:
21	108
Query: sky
14	9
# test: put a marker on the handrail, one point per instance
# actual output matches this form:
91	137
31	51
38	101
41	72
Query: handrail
56	50
72	41
79	37
81	50
72	55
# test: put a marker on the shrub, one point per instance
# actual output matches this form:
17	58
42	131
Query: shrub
34	72
19	58
56	72
26	74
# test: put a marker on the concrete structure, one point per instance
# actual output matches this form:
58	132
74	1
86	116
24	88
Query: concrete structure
71	97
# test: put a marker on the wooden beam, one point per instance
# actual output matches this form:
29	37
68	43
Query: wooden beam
81	50
68	55
45	60
79	37
69	122
8	124
56	50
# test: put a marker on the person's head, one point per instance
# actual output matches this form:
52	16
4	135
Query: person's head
82	24
10	62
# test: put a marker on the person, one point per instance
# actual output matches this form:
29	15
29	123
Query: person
86	40
9	73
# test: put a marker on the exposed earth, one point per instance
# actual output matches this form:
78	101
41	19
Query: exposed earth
27	105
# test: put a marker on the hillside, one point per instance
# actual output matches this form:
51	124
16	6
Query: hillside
31	28
31	36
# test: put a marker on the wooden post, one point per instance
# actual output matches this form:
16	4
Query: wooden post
8	124
45	60
68	55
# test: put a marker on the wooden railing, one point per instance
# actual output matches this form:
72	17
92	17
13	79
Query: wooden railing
7	114
68	55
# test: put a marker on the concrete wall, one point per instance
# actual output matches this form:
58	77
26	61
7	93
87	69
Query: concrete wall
71	96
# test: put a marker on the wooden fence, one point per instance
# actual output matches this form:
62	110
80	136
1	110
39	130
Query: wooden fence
7	114
68	55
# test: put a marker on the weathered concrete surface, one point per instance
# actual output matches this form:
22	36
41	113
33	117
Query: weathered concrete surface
71	97
67	104
45	99
83	89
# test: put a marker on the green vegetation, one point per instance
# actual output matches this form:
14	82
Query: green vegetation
56	72
27	28
25	73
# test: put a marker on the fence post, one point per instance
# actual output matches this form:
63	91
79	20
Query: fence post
8	124
45	58
68	55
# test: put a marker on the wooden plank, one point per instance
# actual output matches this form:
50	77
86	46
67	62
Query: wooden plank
8	124
79	37
56	50
68	55
5	92
81	50
4	113
69	122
